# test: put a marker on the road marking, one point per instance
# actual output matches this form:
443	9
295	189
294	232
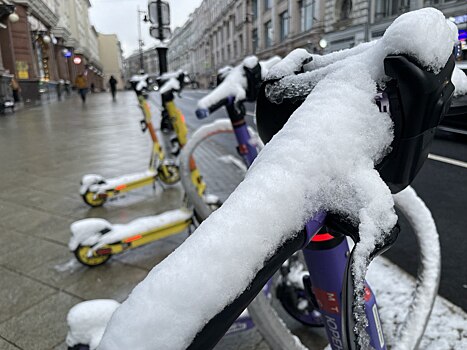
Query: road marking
447	160
190	98
251	114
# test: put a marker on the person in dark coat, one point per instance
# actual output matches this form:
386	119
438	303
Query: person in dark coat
113	86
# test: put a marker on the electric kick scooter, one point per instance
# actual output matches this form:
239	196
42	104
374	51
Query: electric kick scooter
95	189
95	240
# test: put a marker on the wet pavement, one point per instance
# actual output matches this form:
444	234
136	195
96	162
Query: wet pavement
44	153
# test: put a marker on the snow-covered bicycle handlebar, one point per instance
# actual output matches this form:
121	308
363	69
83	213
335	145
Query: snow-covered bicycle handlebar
240	83
293	178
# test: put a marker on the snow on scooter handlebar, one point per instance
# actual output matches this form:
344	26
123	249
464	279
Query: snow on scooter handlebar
323	159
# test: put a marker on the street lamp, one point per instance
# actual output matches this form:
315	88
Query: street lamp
8	10
159	15
140	40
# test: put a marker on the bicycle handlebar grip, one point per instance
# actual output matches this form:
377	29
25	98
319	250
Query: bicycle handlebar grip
218	105
202	113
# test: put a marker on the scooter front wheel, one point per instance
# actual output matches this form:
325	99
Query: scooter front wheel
170	174
81	253
92	200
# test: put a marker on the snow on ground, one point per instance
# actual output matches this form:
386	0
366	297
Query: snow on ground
323	158
447	328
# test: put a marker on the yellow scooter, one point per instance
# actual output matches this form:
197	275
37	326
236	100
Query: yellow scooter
95	189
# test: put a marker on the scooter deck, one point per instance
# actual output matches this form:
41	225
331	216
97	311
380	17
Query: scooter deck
128	182
145	230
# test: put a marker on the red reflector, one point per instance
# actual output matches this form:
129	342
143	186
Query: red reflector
243	149
367	294
321	237
104	251
183	118
120	187
133	238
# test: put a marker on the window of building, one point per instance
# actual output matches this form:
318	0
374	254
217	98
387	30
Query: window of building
388	8
228	52
239	14
267	4
227	29
306	14
235	45
284	21
268	34
254	39
254	8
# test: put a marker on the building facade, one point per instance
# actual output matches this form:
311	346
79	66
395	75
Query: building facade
39	48
149	62
110	53
223	32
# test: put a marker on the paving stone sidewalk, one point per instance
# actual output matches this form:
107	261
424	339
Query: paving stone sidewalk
44	151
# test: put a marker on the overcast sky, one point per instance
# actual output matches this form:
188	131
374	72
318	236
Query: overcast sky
120	17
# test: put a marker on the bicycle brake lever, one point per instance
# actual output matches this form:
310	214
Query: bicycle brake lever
388	242
337	225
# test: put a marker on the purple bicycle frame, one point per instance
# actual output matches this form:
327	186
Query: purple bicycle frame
248	153
326	261
245	147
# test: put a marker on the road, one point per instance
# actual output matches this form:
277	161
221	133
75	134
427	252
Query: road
441	184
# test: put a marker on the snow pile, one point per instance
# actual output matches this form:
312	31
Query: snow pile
169	85
235	83
87	321
322	159
459	79
87	232
290	64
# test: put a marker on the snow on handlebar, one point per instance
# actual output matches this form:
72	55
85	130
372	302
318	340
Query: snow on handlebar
323	159
235	83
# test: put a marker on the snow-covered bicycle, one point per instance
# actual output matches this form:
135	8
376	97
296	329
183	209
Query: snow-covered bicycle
335	160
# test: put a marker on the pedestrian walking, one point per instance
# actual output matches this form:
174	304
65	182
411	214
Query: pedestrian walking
81	84
113	86
15	88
